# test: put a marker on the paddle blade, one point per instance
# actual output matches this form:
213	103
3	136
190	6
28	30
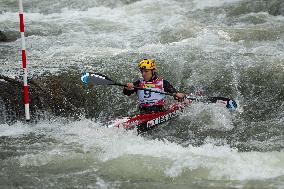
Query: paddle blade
223	101
229	103
96	79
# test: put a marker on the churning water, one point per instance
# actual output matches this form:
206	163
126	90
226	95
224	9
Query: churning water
231	48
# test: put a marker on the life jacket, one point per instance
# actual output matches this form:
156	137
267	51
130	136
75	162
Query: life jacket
147	98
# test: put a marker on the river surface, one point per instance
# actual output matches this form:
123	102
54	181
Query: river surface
232	48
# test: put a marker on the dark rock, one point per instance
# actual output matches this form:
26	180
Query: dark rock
276	8
61	95
7	36
273	7
3	37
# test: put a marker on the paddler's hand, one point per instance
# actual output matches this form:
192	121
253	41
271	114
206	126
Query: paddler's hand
130	86
179	96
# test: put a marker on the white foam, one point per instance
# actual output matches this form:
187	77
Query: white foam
102	31
202	4
15	130
3	80
220	117
221	162
105	144
105	32
102	184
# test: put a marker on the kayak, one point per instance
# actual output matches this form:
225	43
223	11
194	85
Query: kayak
147	121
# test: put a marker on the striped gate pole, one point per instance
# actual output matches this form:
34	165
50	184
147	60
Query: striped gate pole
24	62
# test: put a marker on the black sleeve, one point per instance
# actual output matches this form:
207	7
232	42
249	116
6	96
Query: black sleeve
130	92
168	87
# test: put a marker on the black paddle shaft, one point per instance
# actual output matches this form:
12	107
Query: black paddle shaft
144	89
100	79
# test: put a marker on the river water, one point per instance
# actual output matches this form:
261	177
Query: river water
231	48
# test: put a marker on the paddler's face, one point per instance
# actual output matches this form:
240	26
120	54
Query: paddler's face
146	74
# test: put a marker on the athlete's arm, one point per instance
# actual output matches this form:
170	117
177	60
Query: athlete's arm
129	90
170	89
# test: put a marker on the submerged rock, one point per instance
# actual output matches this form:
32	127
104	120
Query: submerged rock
273	7
3	37
8	36
58	95
276	7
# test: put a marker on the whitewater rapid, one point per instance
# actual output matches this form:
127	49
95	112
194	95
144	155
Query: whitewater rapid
231	48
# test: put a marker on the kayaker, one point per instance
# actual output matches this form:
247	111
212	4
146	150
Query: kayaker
151	101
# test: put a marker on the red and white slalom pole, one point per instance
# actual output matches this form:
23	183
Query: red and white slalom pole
24	61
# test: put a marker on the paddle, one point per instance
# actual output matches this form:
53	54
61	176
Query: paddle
100	79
